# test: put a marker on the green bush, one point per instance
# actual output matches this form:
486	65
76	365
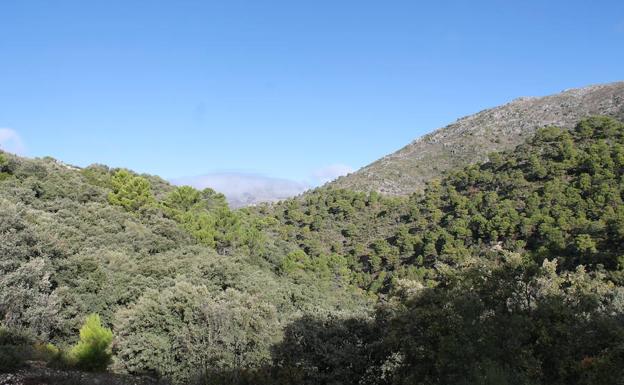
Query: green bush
92	353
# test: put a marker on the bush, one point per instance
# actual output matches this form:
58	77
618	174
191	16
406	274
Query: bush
92	353
15	349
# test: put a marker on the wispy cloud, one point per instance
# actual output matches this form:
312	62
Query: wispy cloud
331	172
10	141
246	188
243	188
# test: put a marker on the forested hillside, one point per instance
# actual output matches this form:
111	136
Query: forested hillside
183	281
505	272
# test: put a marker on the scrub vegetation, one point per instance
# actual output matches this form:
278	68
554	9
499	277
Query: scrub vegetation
509	271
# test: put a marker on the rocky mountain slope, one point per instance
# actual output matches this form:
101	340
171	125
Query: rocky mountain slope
472	138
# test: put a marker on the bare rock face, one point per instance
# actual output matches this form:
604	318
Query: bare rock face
472	138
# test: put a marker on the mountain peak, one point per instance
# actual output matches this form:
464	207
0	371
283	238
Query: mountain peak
471	138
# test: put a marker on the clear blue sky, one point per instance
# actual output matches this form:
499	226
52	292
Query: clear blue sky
282	88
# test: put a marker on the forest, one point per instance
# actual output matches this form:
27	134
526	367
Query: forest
509	271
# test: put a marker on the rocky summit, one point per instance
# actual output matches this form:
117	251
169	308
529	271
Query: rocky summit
471	138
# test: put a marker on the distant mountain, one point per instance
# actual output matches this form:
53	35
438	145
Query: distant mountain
246	189
472	138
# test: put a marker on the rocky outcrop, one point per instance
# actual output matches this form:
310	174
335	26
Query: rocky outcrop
472	138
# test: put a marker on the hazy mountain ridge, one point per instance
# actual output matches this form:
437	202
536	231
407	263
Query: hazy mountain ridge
246	189
470	139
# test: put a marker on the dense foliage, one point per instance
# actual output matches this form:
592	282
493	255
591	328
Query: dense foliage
506	272
557	196
184	283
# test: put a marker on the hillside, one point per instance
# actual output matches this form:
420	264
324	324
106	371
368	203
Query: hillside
163	266
472	138
503	272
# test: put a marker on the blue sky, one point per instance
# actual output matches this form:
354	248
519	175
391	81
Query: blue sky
287	89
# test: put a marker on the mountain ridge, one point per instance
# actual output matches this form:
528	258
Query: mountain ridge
471	138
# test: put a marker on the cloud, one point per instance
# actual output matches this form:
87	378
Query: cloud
242	189
331	172
10	141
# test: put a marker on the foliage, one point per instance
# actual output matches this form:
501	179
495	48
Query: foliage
4	167
508	322
129	191
557	196
15	349
27	300
176	332
92	352
509	271
330	349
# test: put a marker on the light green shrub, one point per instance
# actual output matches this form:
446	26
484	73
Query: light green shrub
92	352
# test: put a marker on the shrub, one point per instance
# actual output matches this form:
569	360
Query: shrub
15	349
92	352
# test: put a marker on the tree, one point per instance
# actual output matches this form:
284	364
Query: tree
182	198
4	171
129	191
92	352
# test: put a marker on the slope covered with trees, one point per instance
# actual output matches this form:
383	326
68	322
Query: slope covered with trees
556	196
183	281
505	272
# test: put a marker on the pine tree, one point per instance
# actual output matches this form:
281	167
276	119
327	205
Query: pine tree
92	352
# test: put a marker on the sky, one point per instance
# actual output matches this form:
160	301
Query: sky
300	91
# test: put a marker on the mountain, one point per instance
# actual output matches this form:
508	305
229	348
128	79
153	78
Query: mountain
471	138
509	271
246	189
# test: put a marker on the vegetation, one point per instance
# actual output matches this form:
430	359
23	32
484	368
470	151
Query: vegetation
505	272
15	349
472	138
92	352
